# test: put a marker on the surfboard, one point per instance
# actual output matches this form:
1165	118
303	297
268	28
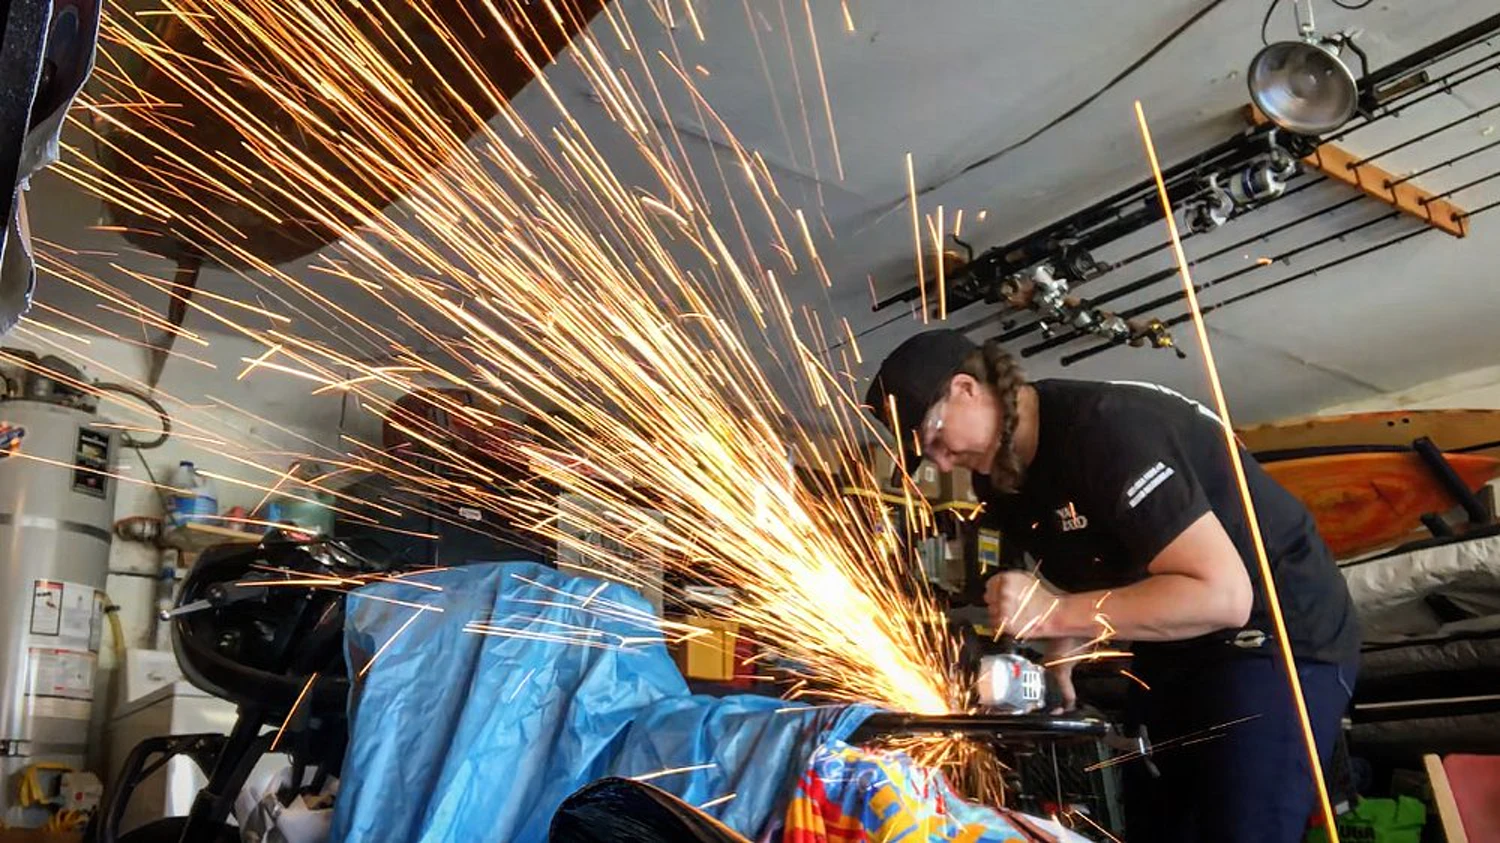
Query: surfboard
1450	430
1366	501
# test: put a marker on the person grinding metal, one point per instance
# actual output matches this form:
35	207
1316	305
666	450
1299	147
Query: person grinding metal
1125	497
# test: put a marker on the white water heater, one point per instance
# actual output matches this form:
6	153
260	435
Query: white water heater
56	509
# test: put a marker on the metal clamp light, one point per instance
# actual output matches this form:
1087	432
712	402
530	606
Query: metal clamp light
1303	86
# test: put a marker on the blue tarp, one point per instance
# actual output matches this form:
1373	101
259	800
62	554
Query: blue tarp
499	689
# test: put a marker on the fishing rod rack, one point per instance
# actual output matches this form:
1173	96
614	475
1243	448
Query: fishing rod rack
1036	277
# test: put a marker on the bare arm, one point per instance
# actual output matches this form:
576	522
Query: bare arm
1196	585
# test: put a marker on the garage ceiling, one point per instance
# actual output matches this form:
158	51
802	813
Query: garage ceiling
954	81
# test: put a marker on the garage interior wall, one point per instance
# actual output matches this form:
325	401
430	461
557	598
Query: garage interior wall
189	390
1476	389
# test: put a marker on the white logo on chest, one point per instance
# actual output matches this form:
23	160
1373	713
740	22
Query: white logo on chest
1070	519
1147	483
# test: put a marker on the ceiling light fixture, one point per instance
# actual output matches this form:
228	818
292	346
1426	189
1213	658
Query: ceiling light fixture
1303	86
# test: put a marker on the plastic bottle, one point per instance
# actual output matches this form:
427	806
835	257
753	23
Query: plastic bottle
201	505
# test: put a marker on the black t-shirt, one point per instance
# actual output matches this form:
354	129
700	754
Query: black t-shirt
1122	469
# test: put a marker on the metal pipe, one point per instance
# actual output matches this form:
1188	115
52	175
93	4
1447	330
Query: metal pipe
998	725
1450	481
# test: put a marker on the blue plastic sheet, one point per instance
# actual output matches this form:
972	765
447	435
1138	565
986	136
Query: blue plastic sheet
499	689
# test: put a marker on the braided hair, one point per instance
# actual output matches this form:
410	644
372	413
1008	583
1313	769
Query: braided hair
991	364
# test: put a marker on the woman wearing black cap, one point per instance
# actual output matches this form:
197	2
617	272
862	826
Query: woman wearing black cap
1126	498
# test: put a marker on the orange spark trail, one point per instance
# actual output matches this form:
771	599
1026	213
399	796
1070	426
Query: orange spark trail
1273	599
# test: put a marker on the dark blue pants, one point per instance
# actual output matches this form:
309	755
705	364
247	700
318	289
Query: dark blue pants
1245	783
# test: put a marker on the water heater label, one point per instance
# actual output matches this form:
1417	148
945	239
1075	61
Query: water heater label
46	607
66	615
62	682
66	623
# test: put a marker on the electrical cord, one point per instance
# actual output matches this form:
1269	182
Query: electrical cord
1079	106
1265	23
156	407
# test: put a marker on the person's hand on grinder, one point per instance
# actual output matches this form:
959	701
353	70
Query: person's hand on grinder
1019	604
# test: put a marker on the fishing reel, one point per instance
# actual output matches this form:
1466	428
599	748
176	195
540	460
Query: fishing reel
1262	180
1155	334
1139	333
1048	295
1056	308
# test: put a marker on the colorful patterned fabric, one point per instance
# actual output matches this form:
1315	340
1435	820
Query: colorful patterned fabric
853	795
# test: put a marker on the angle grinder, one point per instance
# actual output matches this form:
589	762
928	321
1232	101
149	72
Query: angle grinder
1011	683
1005	681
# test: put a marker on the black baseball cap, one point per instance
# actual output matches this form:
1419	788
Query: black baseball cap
914	375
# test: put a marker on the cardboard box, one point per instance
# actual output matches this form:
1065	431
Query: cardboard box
930	482
960	486
711	655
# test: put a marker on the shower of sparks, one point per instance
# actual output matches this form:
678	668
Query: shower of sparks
1024	631
1026	596
1096	655
537	278
1231	443
968	765
833	135
941	272
516	691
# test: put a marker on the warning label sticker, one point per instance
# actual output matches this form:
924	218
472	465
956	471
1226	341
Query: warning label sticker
61	674
66	627
46	607
66	615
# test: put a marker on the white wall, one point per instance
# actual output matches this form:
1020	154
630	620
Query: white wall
1476	389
